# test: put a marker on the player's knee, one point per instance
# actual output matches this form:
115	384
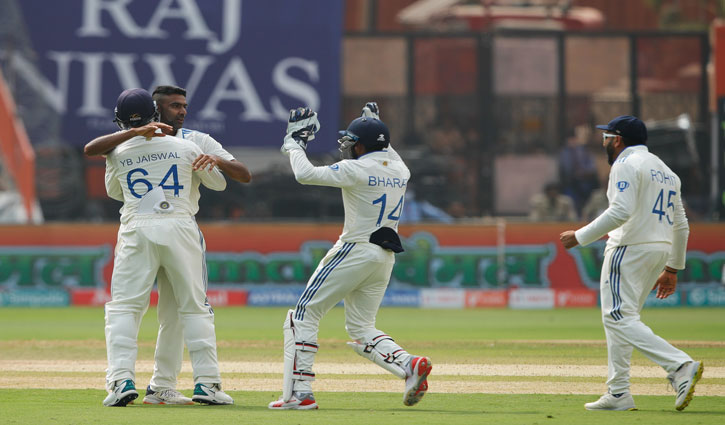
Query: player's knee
355	332
201	344
122	342
134	305
362	333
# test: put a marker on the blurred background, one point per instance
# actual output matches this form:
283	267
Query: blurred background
492	104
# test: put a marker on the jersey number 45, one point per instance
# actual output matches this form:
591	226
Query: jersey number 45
657	207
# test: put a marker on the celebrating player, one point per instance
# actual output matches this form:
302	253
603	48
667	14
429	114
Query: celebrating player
172	106
155	180
373	179
647	244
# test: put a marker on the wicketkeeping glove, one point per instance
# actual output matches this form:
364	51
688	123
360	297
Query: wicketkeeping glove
301	127
371	110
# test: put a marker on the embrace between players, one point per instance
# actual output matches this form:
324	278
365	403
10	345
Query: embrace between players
159	240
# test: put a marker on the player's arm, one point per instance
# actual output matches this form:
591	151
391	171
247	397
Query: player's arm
680	234
234	169
212	178
215	155
301	128
620	207
667	281
340	174
104	144
113	186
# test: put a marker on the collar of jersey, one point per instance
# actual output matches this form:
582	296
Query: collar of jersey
370	153
636	148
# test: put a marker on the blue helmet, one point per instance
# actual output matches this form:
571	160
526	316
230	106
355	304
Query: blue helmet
370	132
134	108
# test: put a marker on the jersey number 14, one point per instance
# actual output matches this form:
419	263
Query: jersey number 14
173	173
394	214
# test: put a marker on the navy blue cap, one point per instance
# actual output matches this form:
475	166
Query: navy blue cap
627	126
135	107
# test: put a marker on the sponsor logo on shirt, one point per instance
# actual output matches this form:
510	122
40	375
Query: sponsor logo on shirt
335	167
622	185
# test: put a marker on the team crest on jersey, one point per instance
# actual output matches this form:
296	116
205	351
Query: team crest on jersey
335	167
622	185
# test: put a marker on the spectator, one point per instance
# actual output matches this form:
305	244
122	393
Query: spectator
415	210
457	210
552	205
596	205
577	169
597	202
447	138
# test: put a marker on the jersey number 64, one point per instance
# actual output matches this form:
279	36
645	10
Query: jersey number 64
176	187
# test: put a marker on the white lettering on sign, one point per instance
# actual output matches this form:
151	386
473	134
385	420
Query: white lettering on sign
186	10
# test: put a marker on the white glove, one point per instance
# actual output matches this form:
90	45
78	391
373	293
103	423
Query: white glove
371	110
301	128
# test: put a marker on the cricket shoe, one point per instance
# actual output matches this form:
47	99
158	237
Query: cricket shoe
683	381
416	384
211	394
611	402
299	401
165	397
123	392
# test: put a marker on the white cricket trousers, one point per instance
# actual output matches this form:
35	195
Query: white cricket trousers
628	275
355	272
146	245
169	352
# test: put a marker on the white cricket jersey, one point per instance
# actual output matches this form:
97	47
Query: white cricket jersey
207	143
209	146
135	167
373	189
645	206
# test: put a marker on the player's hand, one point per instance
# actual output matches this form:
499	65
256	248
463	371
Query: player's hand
568	239
371	110
152	129
665	285
302	126
205	161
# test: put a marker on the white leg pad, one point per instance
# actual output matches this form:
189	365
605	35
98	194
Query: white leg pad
298	358
289	356
384	352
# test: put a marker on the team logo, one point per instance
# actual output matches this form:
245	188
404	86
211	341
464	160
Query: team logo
335	167
621	185
134	117
381	138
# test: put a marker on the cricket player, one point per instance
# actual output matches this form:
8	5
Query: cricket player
154	178
373	179
172	106
647	244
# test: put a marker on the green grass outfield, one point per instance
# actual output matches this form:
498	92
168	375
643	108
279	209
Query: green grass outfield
535	338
